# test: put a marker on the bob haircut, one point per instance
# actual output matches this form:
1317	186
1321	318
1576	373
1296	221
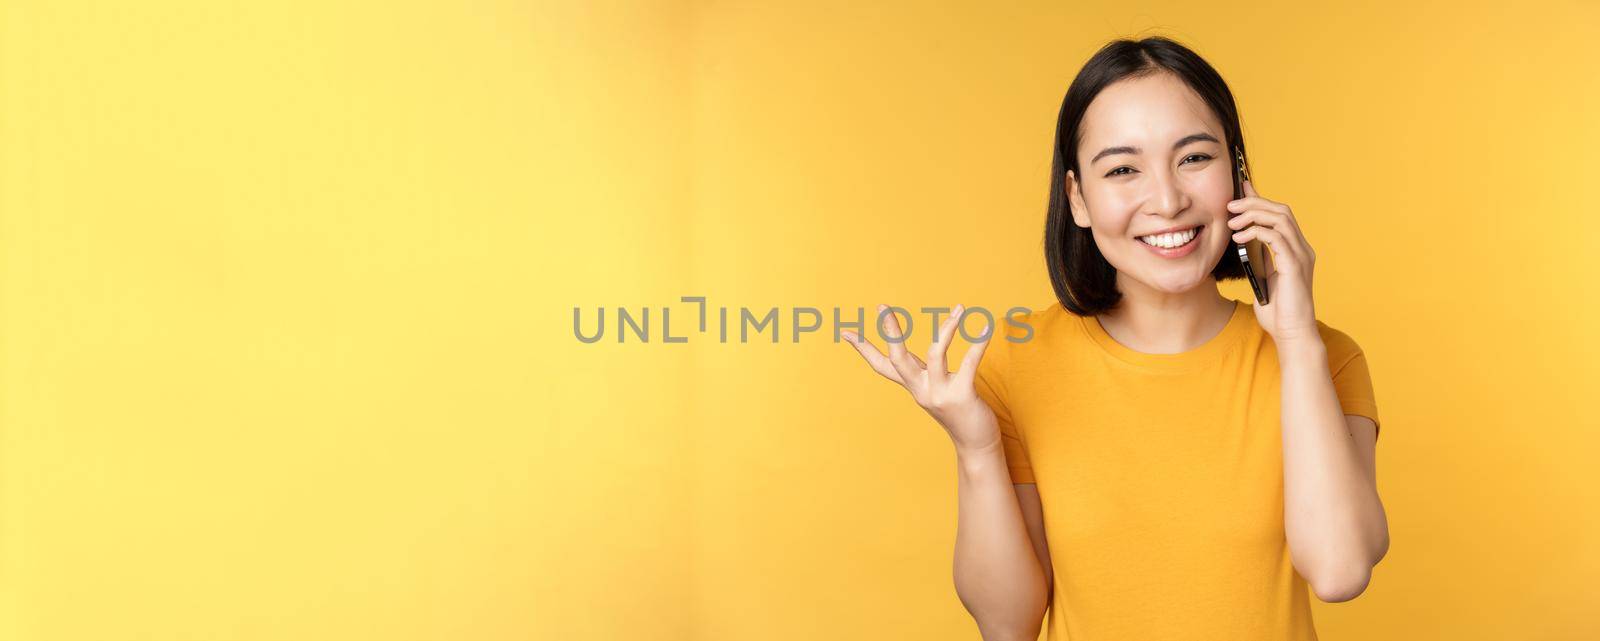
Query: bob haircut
1084	281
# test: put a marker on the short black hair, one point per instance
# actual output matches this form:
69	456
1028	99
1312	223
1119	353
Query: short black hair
1084	281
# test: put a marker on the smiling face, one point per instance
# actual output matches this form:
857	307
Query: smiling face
1154	158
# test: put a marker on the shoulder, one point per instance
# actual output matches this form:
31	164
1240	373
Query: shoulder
1342	348
1025	324
1020	332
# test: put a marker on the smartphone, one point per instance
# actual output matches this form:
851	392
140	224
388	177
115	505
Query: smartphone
1253	254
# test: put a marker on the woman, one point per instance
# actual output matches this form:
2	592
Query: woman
1155	461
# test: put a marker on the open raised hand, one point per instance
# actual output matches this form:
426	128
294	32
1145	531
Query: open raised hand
948	396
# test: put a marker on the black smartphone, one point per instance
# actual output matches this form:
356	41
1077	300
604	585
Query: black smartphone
1253	254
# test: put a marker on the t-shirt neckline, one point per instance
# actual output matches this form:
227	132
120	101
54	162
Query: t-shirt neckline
1207	352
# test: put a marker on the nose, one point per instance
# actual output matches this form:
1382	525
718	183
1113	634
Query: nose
1168	197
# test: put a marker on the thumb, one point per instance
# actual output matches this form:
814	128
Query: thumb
1249	189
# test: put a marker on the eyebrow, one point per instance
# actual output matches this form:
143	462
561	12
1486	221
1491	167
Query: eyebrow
1134	150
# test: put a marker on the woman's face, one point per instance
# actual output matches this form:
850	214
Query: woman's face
1154	158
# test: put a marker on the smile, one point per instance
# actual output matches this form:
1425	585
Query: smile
1173	245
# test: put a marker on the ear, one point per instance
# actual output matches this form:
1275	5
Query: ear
1080	211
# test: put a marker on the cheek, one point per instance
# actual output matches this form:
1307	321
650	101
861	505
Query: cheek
1110	211
1218	190
1213	197
1113	225
1217	196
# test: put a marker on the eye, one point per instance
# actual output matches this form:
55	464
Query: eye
1118	171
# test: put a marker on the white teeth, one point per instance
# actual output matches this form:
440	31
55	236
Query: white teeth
1169	241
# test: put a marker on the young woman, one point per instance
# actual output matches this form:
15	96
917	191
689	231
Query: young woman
1156	461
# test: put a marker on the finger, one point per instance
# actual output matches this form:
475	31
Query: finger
1256	202
1297	237
875	358
974	355
902	361
1253	200
908	353
1261	217
1250	191
1282	252
1280	222
937	370
901	345
920	365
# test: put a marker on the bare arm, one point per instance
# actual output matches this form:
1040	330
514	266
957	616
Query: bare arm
1002	572
1334	520
1033	514
999	576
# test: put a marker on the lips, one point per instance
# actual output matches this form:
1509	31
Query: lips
1179	251
1171	236
1170	230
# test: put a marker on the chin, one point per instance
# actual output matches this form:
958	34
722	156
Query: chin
1176	288
1174	282
1175	276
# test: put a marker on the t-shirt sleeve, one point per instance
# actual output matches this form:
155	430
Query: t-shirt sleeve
990	384
1352	379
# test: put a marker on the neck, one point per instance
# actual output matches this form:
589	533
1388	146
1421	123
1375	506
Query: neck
1157	322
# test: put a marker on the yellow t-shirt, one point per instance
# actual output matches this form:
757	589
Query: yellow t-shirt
1161	475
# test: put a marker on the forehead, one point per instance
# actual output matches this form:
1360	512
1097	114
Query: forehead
1147	112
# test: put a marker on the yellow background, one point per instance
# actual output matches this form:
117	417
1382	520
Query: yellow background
286	342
